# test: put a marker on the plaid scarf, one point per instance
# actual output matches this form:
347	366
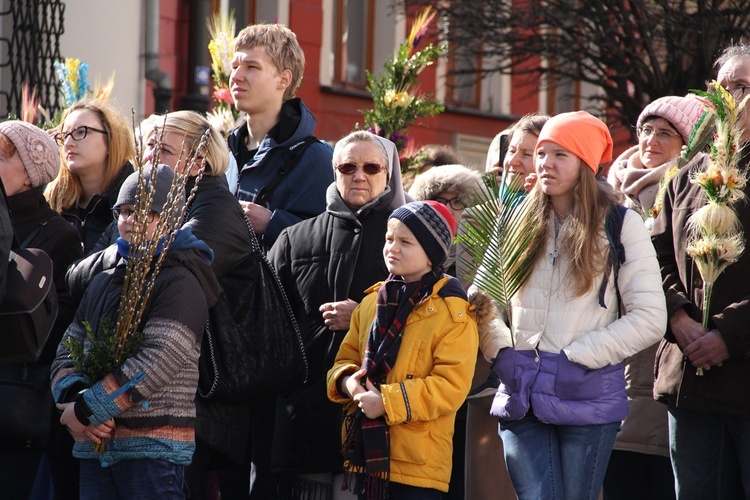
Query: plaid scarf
366	448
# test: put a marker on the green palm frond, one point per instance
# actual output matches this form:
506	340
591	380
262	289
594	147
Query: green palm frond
500	240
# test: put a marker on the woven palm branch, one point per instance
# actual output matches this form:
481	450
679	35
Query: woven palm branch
499	239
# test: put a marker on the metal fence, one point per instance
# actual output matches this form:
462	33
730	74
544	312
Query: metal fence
30	44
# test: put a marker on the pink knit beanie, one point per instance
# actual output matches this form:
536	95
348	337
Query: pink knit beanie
37	150
680	112
582	134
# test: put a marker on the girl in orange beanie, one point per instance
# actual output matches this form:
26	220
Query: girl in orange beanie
562	393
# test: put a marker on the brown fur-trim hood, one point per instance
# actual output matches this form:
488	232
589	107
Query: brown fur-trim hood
456	179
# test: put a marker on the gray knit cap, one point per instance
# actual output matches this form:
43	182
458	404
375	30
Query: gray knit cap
37	150
164	178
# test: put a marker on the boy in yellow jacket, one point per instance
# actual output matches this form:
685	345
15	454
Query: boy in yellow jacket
406	364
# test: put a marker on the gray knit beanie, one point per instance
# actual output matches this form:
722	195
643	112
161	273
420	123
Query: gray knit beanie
164	178
37	150
680	112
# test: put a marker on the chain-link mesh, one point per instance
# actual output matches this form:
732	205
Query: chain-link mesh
32	46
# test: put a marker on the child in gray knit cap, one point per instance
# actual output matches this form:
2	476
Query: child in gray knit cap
144	408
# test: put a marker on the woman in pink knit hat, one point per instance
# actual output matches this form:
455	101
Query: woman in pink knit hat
642	445
663	128
29	160
562	387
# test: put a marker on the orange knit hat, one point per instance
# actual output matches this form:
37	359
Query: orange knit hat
582	134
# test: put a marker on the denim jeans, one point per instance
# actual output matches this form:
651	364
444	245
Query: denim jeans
710	454
145	479
556	461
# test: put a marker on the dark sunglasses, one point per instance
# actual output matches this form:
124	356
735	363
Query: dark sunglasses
78	134
367	168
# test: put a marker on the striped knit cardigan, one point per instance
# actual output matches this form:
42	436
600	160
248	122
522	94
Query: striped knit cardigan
154	411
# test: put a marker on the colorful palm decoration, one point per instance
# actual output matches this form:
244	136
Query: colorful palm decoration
716	238
397	102
224	116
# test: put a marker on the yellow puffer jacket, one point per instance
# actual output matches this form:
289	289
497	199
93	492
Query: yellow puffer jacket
428	383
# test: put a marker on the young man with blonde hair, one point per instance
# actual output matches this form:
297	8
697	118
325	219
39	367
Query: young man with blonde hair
283	170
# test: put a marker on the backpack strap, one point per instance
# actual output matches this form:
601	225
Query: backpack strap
294	155
616	256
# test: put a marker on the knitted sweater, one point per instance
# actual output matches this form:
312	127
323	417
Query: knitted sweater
154	417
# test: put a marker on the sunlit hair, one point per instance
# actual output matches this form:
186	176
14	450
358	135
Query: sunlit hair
66	190
359	136
281	46
737	49
531	123
582	238
190	127
7	147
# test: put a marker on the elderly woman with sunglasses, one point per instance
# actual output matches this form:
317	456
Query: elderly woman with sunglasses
96	146
325	264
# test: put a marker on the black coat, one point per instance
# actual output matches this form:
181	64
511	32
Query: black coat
30	210
216	217
94	219
331	257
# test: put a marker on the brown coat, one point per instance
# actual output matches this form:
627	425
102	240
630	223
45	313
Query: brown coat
722	388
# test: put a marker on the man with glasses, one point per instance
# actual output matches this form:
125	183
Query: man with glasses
709	414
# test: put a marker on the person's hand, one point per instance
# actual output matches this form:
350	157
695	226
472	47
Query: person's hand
497	169
352	383
81	432
258	215
529	182
685	329
370	401
707	351
338	315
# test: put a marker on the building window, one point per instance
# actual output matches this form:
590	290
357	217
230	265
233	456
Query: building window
352	41
464	89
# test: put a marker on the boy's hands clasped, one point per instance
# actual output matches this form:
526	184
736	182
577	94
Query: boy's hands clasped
81	432
368	398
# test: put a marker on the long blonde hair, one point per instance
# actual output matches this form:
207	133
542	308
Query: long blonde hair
583	241
65	190
191	126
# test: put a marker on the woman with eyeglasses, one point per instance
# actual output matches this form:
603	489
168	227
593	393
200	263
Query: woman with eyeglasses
325	264
663	128
642	446
96	146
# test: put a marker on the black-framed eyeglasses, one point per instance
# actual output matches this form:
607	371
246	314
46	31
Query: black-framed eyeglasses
125	213
739	91
455	203
367	168
78	134
663	135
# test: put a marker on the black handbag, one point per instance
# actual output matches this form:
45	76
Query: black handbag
29	309
257	347
26	416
